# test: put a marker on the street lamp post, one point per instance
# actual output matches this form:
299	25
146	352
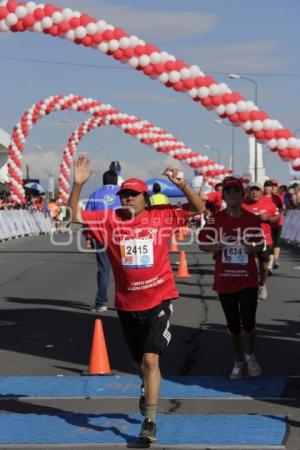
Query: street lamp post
236	76
210	147
218	121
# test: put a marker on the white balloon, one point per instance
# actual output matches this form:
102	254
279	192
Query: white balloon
220	109
80	32
203	92
164	56
193	92
70	35
31	7
295	162
110	27
3	26
46	22
164	78
247	125
249	105
174	76
282	144
272	143
195	71
11	19
257	125
292	142
241	106
133	62
185	73
57	17
67	13
37	27
155	58
224	89
124	42
267	124
21	12
230	108
101	25
214	90
133	41
91	28
113	45
103	47
144	60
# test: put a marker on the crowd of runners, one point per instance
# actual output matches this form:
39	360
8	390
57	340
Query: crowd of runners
241	228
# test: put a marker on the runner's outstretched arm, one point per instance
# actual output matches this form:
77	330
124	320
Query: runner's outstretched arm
196	203
82	172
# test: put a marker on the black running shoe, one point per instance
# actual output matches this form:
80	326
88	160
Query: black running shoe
142	401
148	431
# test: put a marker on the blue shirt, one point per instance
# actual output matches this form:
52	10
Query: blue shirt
104	198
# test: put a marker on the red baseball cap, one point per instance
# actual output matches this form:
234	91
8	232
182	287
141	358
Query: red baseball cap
232	182
133	184
274	182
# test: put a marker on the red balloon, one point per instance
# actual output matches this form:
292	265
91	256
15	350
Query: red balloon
11	6
284	154
3	12
217	100
189	83
254	115
87	41
108	35
170	65
262	115
149	69
159	68
236	97
20	26
139	50
64	27
227	98
49	9
85	19
207	101
149	49
199	81
207	81
29	21
97	38
234	118
269	134
118	33
293	153
74	22
180	65
54	30
179	86
128	52
244	116
260	135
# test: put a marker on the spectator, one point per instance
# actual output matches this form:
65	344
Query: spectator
158	198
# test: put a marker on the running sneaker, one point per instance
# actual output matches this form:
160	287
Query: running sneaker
253	367
238	371
148	431
262	292
99	308
142	401
276	265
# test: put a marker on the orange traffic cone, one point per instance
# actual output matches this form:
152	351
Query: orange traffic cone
183	268
180	234
99	363
173	246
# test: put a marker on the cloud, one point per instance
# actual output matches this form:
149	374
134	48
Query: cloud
150	24
256	56
42	164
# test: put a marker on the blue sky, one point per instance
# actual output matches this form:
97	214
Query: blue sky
256	39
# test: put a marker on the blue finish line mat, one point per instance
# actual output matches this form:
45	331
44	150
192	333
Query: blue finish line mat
129	386
66	428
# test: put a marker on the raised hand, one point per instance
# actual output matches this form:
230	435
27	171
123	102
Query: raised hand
82	170
175	176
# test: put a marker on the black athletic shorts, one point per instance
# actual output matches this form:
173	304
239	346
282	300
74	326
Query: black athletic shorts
265	254
147	331
240	310
276	233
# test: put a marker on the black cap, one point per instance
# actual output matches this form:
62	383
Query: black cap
115	165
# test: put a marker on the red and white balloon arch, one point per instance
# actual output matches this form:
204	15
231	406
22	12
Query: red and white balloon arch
82	29
103	114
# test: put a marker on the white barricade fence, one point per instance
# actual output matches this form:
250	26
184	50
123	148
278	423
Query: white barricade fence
291	226
18	223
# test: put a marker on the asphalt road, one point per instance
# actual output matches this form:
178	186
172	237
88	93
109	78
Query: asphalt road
46	327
